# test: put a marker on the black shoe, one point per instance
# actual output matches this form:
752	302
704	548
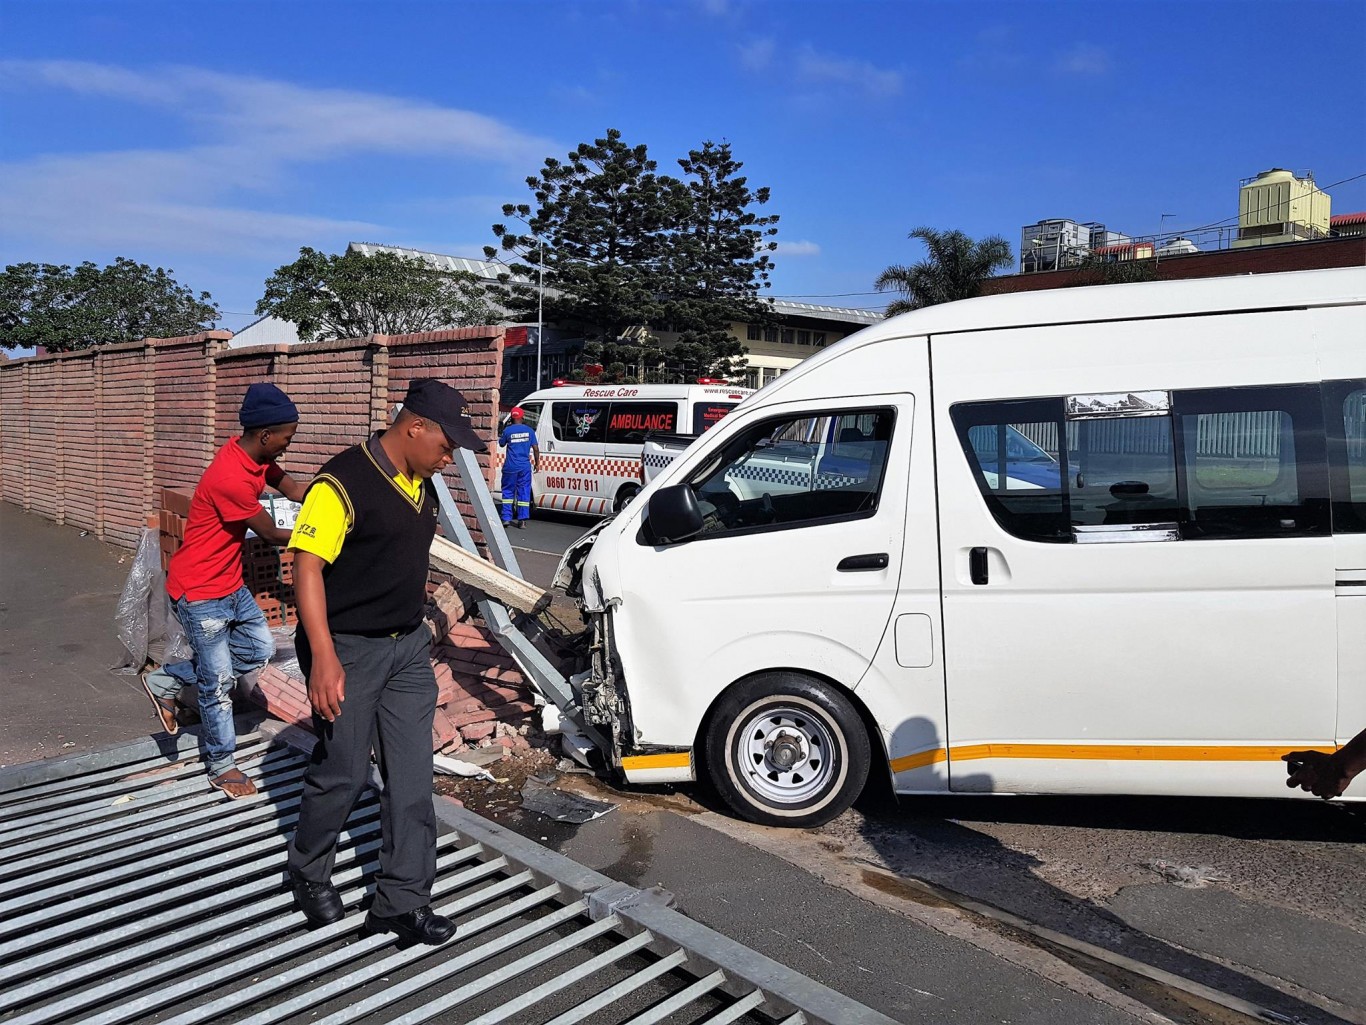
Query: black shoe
320	902
421	925
521	524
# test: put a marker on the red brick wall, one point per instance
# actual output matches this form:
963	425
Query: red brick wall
332	383
1317	255
44	413
184	408
125	436
470	360
89	438
78	442
14	458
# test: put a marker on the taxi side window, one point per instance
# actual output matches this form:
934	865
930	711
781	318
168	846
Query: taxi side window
797	471
1344	409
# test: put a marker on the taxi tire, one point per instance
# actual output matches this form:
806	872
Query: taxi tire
830	714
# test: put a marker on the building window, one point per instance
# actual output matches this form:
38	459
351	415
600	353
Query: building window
770	334
803	337
818	339
752	333
789	336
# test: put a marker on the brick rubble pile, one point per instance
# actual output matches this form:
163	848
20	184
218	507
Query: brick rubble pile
482	699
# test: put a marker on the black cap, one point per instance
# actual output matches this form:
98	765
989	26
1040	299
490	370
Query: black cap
440	403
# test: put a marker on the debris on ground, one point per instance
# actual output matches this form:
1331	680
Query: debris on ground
485	709
543	799
504	796
1192	877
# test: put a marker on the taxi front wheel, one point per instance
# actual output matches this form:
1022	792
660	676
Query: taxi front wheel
784	749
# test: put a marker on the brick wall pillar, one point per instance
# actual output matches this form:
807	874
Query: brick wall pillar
379	383
97	370
149	424
28	439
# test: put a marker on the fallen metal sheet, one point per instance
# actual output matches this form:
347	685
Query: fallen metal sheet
561	806
132	892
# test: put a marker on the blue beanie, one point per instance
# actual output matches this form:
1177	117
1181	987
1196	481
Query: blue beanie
265	406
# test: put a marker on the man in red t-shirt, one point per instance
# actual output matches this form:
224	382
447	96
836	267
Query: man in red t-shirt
222	621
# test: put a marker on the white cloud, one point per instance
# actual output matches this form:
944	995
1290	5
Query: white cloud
149	200
1086	59
808	66
824	69
203	195
288	120
799	248
758	54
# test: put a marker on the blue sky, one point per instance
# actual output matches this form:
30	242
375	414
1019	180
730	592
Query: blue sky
218	138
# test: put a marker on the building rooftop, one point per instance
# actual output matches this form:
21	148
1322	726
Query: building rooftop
488	270
852	315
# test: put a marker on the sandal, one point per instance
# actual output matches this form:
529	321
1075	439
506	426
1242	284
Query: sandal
165	708
233	777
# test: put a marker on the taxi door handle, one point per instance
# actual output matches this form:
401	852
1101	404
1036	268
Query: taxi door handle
858	563
977	565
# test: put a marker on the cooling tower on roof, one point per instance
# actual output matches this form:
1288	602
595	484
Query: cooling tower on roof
1277	206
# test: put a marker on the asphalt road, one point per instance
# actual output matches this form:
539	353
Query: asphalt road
1262	899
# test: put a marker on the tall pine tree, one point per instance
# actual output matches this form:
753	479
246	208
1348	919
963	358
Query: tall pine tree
595	234
717	263
626	251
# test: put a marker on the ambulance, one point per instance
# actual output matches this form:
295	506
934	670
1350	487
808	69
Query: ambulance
1098	540
590	436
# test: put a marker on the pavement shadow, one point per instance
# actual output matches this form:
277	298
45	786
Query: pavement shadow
930	839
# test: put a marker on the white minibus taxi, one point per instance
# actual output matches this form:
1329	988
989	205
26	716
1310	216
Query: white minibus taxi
1092	540
590	436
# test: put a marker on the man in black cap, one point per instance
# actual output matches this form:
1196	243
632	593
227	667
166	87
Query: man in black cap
361	545
221	619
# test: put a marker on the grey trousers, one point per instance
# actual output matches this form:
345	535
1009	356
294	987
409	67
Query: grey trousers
390	698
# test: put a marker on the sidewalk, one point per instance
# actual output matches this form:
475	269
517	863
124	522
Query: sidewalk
57	596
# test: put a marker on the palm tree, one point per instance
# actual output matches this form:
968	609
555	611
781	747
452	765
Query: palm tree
954	268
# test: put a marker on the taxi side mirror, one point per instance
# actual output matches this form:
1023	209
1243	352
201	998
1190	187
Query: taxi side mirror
674	515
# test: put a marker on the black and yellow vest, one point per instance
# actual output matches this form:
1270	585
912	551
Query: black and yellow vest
378	583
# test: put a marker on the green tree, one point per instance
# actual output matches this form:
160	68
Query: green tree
64	308
954	268
1097	270
593	241
623	249
353	295
717	261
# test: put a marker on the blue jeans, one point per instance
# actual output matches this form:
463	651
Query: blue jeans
229	637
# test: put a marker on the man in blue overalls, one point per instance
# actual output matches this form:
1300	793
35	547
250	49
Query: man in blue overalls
521	458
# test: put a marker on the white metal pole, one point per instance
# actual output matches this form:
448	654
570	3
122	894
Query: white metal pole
540	306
